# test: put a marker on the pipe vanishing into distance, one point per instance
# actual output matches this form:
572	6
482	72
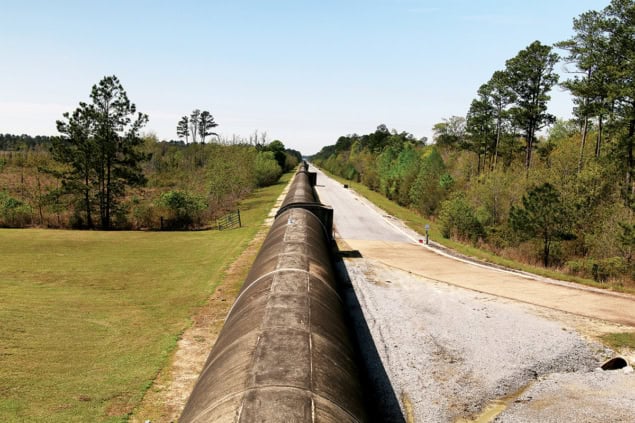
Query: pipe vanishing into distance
284	353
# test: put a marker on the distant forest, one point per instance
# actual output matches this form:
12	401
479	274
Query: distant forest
508	176
101	173
10	142
189	185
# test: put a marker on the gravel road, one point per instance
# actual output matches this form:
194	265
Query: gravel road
436	352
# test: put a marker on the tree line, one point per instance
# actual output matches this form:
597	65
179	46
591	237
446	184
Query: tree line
101	172
509	176
23	141
512	106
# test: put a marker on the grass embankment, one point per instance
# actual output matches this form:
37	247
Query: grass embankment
89	318
620	340
417	222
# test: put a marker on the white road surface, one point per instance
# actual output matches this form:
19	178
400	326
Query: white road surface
355	218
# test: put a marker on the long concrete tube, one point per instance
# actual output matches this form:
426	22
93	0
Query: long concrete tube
284	353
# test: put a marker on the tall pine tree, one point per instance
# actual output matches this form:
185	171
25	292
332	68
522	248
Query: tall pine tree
531	78
101	143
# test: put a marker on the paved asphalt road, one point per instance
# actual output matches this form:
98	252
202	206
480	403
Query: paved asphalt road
354	219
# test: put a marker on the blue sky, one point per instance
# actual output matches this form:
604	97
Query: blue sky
305	72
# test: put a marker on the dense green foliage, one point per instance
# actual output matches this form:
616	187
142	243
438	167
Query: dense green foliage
552	215
217	174
101	173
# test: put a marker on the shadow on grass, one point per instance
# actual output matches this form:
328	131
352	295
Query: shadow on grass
382	403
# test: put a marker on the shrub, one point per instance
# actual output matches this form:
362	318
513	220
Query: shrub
459	221
291	162
267	169
143	215
350	173
183	209
600	270
13	213
231	175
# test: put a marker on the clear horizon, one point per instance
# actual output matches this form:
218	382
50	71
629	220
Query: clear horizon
303	72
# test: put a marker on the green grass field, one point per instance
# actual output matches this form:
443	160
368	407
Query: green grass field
88	319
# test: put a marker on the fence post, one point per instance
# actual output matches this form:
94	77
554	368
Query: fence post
239	224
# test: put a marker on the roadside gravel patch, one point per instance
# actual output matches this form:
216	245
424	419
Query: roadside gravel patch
448	351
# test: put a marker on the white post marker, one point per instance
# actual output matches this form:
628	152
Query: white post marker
427	227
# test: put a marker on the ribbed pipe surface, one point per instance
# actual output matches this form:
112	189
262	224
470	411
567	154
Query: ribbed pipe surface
300	190
284	353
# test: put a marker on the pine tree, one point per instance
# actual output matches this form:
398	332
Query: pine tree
183	128
76	148
194	123
101	144
531	77
586	50
543	216
206	124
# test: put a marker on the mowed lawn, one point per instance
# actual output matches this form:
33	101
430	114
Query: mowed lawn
88	318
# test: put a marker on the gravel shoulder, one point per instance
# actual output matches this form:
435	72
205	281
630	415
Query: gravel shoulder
450	353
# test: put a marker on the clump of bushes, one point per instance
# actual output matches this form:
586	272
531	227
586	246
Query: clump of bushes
13	213
458	220
181	209
601	270
266	168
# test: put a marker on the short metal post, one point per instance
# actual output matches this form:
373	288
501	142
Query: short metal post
427	234
239	223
